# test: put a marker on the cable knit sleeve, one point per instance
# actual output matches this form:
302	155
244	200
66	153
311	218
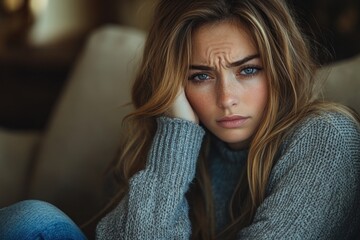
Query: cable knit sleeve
313	191
156	207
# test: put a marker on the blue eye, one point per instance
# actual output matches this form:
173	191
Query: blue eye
199	77
249	71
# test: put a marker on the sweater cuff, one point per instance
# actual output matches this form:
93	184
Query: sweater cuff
175	148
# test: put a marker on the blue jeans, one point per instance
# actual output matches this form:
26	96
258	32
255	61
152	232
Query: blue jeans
36	220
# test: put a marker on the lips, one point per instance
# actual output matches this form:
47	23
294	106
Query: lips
233	121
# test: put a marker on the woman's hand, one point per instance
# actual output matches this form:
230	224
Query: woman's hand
181	108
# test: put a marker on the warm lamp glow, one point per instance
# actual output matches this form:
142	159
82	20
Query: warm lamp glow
13	5
38	6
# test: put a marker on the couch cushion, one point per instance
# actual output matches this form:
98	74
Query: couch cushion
343	82
16	151
85	129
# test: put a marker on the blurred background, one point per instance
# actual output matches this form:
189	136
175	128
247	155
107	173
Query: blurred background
40	40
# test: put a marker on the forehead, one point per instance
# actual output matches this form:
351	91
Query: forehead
228	39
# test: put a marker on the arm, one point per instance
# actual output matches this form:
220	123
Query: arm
313	190
155	206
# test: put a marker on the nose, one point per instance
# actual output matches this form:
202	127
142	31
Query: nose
226	94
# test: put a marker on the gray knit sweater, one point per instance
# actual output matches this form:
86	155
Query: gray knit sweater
313	191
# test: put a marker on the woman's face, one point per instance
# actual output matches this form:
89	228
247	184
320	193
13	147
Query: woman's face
227	86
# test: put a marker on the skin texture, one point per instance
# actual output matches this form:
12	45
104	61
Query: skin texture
226	80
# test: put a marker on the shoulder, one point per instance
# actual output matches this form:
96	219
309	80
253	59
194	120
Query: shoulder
326	128
336	120
321	142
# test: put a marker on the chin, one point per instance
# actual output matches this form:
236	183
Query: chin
235	139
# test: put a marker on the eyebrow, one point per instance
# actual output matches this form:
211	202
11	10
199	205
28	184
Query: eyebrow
234	64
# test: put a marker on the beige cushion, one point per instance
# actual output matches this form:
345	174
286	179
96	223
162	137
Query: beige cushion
343	82
84	132
16	151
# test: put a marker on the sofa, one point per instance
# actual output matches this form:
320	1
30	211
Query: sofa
65	164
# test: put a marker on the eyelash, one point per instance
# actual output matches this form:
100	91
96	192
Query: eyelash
194	76
254	68
255	71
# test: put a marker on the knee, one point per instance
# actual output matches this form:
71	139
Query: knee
31	211
32	205
35	218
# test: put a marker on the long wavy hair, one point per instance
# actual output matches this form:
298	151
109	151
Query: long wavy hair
290	70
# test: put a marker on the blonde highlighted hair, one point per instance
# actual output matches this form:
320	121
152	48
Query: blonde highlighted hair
290	70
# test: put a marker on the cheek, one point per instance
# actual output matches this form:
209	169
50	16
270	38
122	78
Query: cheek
261	96
198	99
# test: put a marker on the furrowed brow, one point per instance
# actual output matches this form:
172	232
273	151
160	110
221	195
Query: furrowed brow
234	64
201	67
244	60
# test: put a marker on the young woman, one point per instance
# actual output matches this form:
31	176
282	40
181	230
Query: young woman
274	163
227	140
